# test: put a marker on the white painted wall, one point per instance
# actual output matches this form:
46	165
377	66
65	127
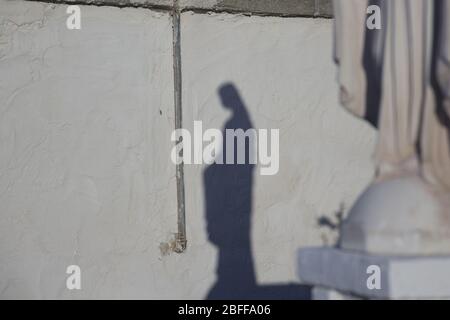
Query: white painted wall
85	123
283	70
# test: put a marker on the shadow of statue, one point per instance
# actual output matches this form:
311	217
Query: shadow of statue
228	203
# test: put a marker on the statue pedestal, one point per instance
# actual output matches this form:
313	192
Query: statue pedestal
343	274
400	216
394	244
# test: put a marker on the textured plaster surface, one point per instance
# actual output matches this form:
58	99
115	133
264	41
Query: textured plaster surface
322	8
280	7
156	4
85	177
85	123
283	70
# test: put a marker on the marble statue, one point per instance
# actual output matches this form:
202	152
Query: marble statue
398	78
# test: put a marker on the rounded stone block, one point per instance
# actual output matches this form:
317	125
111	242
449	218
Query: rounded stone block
400	216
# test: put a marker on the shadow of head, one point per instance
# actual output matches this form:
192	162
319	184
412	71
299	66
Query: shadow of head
240	118
230	97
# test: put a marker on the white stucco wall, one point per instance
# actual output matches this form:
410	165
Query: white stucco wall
84	173
283	70
85	123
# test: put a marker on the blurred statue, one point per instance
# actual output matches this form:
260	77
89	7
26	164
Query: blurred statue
398	78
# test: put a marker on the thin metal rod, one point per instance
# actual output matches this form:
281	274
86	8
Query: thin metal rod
181	241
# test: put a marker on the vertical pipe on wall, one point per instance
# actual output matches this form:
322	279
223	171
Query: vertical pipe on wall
181	240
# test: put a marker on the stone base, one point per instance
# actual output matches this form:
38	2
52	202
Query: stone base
340	274
402	216
320	293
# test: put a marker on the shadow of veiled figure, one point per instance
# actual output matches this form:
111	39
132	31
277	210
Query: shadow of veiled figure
228	199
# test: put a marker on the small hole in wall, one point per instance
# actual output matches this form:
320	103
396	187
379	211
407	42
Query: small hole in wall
160	112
